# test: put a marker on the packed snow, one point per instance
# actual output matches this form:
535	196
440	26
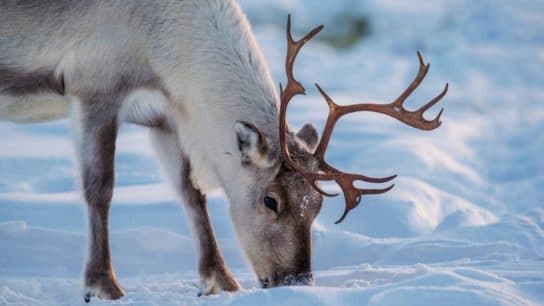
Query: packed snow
463	226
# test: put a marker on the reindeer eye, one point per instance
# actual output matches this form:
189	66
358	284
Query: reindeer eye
271	203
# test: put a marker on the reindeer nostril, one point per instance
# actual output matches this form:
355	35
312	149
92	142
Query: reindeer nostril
265	283
305	279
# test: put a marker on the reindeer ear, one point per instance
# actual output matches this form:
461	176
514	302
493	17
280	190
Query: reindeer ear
308	135
251	143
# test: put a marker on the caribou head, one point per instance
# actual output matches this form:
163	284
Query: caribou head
276	234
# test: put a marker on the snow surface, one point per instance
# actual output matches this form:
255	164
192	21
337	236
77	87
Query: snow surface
463	226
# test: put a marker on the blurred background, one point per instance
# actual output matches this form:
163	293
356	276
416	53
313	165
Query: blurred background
464	224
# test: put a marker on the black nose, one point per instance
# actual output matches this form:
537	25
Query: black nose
265	283
289	279
301	279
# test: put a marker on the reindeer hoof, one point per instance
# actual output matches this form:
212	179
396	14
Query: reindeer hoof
219	281
103	286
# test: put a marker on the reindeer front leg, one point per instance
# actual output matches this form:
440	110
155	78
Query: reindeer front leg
95	138
214	274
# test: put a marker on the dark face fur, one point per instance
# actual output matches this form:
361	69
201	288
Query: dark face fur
275	230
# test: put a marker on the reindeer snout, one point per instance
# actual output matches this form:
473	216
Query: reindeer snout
291	279
300	279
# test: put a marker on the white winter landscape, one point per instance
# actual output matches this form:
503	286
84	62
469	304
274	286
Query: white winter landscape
463	226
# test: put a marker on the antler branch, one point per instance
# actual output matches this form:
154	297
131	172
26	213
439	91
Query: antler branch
293	86
394	109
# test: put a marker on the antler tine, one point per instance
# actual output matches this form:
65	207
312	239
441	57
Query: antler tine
293	47
353	195
330	169
436	99
421	73
329	125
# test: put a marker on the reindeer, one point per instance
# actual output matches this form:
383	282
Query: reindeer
192	73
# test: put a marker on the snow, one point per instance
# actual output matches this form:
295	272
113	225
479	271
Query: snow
463	226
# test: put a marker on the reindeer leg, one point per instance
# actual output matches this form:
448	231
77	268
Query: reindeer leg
213	271
95	139
214	274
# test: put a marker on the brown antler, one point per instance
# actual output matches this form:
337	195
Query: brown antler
293	88
394	109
